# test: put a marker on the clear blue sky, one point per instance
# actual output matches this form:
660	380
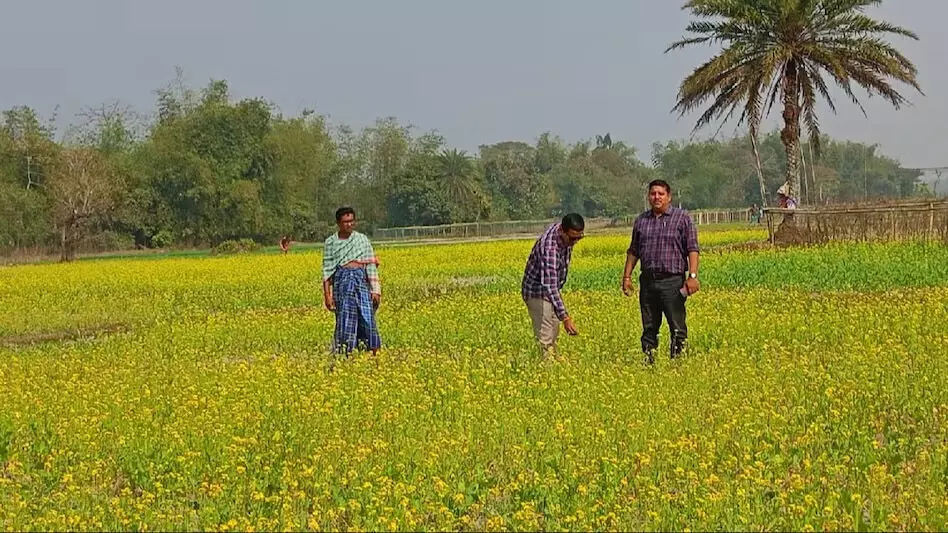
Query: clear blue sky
477	71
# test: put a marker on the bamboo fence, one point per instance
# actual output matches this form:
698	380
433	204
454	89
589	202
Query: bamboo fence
514	227
905	220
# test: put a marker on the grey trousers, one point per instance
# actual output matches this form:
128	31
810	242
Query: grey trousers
546	327
657	298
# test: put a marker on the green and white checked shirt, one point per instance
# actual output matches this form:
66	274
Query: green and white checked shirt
338	252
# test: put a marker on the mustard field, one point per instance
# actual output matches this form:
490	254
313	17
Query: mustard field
199	394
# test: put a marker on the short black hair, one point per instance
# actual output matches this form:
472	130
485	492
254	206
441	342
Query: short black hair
573	221
343	211
661	183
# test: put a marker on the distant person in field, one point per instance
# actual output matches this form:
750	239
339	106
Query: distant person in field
755	214
783	199
544	277
665	241
351	287
285	245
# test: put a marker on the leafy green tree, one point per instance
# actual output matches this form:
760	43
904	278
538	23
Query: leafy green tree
209	166
27	155
24	217
519	191
367	167
30	148
298	197
417	195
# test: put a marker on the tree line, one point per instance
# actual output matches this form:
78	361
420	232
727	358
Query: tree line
206	168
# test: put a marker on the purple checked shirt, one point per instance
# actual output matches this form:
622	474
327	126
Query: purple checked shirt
662	242
546	270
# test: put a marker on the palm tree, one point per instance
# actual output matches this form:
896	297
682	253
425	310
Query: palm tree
457	176
788	49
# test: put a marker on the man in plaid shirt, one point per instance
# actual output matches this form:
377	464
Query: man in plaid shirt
665	241
544	277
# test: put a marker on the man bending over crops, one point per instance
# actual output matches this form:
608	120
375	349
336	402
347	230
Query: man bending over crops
665	240
544	277
351	287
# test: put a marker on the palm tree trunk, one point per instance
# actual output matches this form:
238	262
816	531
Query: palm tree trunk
804	182
760	171
791	129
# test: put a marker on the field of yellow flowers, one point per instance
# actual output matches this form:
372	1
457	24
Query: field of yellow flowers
198	394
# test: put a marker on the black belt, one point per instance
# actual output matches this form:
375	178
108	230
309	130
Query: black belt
662	275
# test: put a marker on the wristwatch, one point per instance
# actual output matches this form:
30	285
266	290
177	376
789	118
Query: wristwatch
693	275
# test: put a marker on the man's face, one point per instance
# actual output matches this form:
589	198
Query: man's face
572	236
659	198
347	223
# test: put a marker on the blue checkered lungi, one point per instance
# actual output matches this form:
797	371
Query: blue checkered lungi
355	315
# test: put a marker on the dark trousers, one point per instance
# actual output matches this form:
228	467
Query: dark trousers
659	296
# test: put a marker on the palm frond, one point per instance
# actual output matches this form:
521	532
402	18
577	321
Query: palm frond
859	24
809	94
831	64
711	78
835	8
816	78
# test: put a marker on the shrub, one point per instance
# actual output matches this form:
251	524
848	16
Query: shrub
162	239
235	247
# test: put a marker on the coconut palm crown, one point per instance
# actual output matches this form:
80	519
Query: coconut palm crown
789	50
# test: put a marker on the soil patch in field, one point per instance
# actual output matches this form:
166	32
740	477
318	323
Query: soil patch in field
62	335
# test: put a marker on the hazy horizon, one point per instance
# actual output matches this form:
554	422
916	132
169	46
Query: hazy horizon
477	73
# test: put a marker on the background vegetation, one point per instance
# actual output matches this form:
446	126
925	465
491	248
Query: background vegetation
203	169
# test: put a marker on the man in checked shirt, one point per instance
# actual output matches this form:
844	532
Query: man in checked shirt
665	240
544	277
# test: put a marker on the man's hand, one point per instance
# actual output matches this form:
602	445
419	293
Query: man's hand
627	286
329	303
569	326
376	300
692	286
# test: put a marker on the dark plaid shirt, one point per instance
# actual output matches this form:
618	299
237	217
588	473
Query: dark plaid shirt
546	270
662	242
